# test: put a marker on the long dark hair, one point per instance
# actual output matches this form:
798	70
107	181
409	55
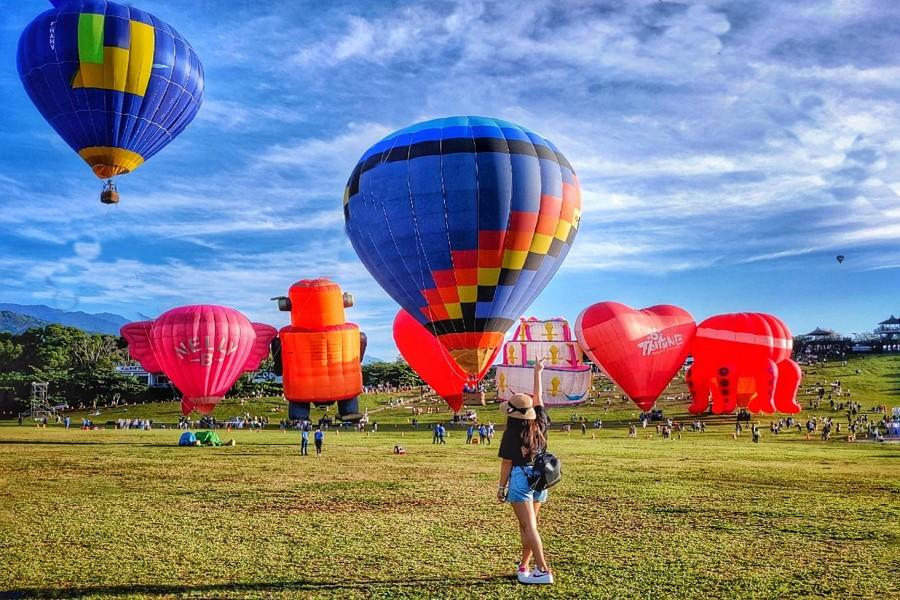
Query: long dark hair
533	439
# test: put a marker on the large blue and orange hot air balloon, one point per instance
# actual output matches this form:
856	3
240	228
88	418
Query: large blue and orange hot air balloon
115	82
463	221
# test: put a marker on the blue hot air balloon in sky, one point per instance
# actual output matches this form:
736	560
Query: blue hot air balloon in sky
115	82
463	221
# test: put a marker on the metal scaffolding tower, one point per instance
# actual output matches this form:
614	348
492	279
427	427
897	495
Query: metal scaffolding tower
40	406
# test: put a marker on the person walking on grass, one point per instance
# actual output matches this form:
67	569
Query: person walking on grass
304	442
469	433
319	438
524	438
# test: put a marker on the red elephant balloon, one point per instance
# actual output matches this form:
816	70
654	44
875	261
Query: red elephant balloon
640	350
431	360
789	373
742	360
203	349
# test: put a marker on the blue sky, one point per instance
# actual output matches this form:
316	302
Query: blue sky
727	151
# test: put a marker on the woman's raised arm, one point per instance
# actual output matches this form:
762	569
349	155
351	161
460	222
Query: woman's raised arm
538	395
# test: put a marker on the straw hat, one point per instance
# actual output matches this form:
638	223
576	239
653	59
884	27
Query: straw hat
519	406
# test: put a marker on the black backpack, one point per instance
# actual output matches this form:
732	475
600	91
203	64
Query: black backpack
545	472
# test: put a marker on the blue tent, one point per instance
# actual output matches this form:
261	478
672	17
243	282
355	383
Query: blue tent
187	439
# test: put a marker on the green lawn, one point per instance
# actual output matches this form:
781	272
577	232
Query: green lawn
130	514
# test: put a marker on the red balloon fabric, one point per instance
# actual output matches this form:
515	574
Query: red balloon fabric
789	374
430	359
203	349
640	350
742	360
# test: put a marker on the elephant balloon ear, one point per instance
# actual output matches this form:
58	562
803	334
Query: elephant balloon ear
261	346
139	347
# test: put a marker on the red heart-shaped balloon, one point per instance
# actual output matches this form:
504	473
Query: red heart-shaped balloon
640	350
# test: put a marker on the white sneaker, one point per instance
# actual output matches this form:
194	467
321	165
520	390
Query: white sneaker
523	574
539	577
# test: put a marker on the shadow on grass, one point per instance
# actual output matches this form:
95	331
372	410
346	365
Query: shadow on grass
81	443
134	443
249	586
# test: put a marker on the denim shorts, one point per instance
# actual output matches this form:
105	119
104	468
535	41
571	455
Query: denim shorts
519	490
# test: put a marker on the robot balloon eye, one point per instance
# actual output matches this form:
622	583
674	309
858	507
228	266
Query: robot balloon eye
284	303
348	300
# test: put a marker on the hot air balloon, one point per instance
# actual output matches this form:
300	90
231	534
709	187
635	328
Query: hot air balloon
115	82
429	359
640	350
788	373
202	349
463	221
742	360
321	352
566	378
840	258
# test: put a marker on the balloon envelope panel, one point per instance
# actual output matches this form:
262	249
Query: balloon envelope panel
561	387
463	221
321	366
115	82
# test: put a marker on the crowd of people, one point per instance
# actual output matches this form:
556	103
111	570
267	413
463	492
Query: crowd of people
141	424
485	433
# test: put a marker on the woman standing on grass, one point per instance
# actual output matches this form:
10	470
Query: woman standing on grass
524	438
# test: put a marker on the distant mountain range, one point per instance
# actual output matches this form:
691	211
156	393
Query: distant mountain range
368	360
15	318
15	323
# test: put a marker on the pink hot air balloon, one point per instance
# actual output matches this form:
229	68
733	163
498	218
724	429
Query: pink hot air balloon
202	348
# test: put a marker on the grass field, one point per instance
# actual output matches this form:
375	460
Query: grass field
129	514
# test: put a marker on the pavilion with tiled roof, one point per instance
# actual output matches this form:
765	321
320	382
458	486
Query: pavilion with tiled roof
888	331
819	333
822	342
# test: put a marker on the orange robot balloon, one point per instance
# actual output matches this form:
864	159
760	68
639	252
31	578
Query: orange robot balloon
320	351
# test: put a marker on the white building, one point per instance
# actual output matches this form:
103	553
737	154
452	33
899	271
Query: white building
153	380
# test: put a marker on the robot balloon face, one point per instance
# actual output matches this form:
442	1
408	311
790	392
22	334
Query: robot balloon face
348	300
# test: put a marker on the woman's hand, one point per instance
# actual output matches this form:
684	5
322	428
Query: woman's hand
501	494
539	364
